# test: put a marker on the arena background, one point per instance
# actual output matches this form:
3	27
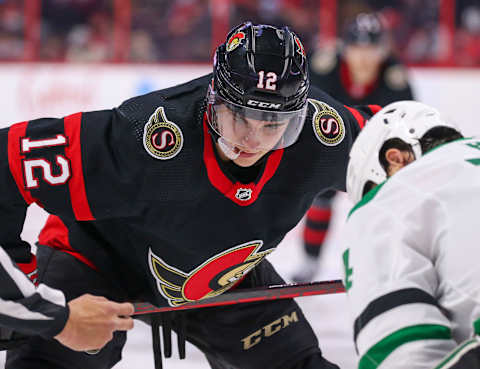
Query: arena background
62	56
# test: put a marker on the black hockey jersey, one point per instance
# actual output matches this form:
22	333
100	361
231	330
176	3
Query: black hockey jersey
145	200
329	72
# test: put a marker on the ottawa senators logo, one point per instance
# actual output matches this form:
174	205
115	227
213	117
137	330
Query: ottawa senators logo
234	41
161	138
212	278
327	124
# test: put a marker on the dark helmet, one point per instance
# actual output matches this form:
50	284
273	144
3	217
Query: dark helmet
259	73
262	63
366	28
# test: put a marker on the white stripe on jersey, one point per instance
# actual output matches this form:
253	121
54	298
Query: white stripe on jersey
27	288
22	282
49	294
18	311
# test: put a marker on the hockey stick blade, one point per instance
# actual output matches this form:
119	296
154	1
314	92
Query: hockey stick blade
242	296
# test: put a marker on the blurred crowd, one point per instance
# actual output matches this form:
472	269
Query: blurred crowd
181	30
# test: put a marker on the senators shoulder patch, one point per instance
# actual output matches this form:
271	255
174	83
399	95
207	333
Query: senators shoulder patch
161	138
327	124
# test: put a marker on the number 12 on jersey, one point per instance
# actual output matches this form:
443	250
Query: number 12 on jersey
28	145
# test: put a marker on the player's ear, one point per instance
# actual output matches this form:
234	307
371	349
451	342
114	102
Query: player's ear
397	159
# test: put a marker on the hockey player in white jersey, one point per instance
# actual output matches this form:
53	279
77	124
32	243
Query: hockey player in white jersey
411	259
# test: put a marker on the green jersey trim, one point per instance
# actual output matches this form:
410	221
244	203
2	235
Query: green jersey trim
453	357
476	327
379	352
366	198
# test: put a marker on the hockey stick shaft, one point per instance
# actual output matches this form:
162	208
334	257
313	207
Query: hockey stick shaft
267	293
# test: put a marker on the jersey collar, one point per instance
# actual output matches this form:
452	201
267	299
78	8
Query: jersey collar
357	92
242	194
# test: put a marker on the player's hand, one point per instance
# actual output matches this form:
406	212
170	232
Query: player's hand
92	321
30	269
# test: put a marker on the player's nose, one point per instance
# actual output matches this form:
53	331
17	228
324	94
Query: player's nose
251	140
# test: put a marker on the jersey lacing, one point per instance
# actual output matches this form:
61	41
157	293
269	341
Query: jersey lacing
167	321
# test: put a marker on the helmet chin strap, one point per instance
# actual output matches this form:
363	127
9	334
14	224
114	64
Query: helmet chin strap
230	151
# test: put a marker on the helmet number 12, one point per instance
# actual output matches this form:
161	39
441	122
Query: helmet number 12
267	81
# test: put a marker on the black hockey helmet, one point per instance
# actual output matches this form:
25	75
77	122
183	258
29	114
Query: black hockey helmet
366	28
260	72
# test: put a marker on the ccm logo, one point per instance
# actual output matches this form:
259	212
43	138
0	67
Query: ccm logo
269	330
262	104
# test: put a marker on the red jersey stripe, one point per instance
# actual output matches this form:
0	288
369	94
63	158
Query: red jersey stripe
375	108
319	214
356	114
15	133
54	234
272	166
215	175
78	194
313	237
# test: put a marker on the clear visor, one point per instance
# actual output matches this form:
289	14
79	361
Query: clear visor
254	130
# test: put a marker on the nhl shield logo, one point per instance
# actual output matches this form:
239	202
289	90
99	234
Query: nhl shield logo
327	124
211	278
243	194
161	138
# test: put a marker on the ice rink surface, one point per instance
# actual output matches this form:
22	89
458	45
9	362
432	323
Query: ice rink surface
327	313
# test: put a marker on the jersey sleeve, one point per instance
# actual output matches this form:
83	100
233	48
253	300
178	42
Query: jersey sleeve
391	283
81	167
37	311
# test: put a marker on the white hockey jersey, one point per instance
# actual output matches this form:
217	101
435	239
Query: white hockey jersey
412	258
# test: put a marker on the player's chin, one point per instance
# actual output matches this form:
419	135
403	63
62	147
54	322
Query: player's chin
247	160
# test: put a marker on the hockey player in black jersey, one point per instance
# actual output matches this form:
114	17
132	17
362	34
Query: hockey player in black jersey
362	70
179	195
